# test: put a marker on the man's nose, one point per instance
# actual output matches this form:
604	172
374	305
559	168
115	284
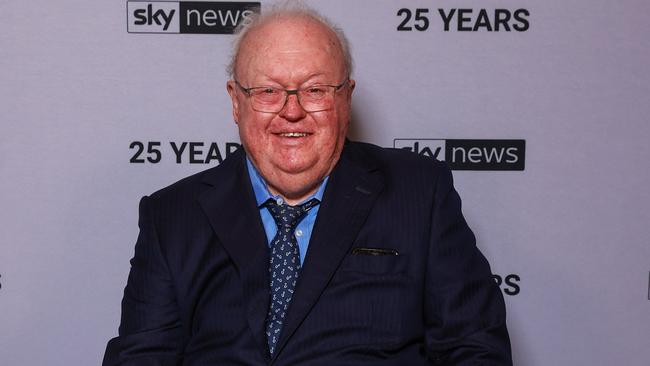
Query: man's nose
292	110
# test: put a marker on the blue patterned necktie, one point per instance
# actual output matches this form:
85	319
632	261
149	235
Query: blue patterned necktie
284	265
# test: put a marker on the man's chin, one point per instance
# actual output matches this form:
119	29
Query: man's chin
297	168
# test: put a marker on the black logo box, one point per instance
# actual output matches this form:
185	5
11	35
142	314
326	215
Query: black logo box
503	145
202	7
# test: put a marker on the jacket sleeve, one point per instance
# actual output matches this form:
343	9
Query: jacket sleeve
150	331
465	316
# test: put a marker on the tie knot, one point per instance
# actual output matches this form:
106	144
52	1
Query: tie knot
289	216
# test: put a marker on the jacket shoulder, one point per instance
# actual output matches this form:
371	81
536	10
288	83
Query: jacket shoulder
395	161
192	186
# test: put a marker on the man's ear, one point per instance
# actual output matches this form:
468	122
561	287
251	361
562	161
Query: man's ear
232	91
351	85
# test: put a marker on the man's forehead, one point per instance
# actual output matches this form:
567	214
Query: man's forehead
291	37
296	33
291	49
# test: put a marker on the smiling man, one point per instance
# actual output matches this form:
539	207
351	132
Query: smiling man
291	96
305	248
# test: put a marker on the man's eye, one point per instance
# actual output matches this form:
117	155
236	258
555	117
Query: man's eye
315	90
269	91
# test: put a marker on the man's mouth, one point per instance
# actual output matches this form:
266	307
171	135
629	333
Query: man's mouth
294	134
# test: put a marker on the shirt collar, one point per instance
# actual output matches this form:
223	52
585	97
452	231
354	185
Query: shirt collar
261	190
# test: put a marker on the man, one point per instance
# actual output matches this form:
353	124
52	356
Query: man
305	248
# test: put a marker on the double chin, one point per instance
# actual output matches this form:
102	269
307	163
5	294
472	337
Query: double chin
295	179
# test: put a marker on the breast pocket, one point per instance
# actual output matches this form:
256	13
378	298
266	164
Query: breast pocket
382	286
375	264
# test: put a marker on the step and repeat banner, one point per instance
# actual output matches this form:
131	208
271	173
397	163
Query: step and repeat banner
539	107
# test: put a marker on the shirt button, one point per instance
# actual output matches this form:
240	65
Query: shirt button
279	201
298	232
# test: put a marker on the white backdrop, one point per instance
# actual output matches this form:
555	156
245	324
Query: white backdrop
569	234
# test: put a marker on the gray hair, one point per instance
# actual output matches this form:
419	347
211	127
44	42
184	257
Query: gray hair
283	11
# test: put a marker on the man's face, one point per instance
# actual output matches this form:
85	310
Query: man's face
293	149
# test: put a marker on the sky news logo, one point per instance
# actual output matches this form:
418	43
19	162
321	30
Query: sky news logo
470	154
220	17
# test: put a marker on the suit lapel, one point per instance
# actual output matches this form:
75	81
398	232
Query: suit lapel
232	211
351	191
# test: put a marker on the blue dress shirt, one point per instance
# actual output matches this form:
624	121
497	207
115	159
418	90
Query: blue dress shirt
306	225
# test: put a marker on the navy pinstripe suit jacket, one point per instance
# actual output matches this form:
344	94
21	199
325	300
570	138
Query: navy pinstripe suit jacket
198	290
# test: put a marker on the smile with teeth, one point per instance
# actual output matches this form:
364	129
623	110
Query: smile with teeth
293	134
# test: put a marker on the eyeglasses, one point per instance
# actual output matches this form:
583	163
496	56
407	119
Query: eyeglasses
312	98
